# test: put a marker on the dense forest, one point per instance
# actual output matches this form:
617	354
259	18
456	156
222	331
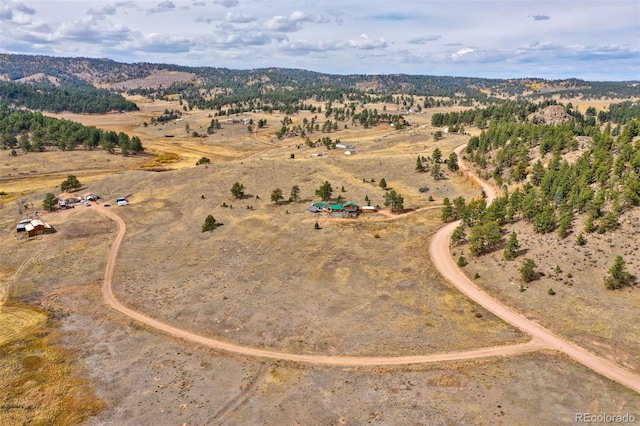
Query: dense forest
235	91
46	97
33	131
550	174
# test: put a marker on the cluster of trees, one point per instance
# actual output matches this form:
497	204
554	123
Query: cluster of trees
167	115
277	195
433	164
601	183
32	131
83	100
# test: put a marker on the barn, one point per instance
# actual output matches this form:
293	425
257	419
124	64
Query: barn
37	227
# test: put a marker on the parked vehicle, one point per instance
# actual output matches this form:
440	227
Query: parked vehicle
122	201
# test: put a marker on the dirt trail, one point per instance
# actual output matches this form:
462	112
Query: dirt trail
444	262
446	265
353	361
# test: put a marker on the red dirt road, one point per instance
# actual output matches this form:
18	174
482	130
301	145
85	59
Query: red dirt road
444	262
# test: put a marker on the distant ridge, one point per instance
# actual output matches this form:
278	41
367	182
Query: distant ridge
107	73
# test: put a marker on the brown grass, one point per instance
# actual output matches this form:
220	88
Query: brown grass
40	383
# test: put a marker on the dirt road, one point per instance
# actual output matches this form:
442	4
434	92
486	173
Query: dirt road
112	301
446	265
444	262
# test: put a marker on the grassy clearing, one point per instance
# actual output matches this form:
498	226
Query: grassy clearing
41	385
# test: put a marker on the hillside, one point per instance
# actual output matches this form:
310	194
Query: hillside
254	83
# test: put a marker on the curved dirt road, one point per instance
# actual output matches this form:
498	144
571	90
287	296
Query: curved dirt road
444	262
353	361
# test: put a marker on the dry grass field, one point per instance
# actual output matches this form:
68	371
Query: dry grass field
268	279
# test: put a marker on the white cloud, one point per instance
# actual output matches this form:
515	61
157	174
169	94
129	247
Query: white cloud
367	43
462	52
162	7
239	18
226	3
306	46
424	39
292	22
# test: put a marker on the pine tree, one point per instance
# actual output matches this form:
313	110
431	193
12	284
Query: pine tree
295	193
452	162
437	155
447	211
419	167
276	195
50	202
458	235
618	276
237	190
511	249
528	270
210	224
325	191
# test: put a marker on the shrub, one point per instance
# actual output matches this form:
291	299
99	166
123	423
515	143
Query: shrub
550	292
462	261
210	224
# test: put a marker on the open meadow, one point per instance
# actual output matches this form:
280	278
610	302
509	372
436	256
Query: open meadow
269	279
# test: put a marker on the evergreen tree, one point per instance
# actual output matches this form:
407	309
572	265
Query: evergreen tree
511	249
447	210
545	221
70	184
276	195
618	276
452	162
325	191
50	202
459	235
419	167
484	237
395	200
528	270
383	183
437	155
237	190
210	224
436	172
295	193
537	173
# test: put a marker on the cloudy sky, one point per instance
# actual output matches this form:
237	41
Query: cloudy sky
592	40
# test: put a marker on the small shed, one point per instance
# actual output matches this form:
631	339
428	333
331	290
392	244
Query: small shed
337	207
368	209
314	209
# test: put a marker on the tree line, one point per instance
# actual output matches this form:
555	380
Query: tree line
83	100
33	132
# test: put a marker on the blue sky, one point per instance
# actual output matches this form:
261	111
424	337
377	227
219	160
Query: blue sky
591	40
